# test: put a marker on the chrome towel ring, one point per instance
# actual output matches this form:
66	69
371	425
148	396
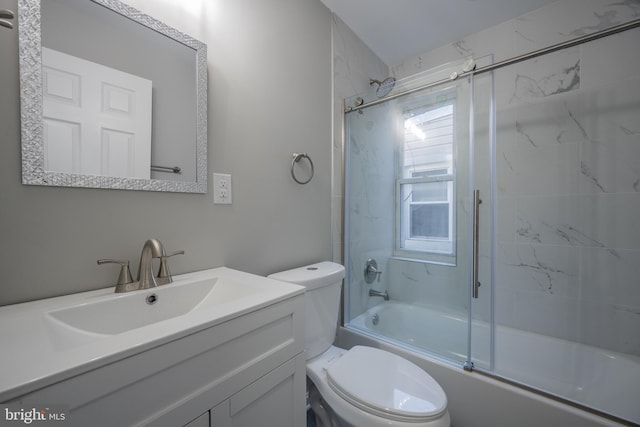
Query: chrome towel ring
296	159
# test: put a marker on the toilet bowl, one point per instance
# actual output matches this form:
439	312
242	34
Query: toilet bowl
363	386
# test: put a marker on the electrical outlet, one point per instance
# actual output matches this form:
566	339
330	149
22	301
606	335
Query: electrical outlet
222	188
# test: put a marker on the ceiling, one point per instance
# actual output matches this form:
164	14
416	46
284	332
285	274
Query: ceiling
397	30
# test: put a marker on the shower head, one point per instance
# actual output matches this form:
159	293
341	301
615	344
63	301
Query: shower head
384	87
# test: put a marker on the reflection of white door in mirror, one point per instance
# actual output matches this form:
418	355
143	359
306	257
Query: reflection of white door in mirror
97	120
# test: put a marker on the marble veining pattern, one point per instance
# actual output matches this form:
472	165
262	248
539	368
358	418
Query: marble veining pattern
579	126
605	20
543	273
608	18
589	174
576	237
526	230
522	131
565	80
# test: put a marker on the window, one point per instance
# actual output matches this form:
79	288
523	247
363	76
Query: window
425	182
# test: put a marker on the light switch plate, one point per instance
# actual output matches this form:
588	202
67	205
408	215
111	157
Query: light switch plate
222	189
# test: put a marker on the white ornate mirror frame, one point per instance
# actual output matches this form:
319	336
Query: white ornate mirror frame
31	85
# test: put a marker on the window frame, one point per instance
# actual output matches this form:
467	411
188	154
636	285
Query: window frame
441	251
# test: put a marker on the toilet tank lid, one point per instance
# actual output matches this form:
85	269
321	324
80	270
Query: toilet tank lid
312	276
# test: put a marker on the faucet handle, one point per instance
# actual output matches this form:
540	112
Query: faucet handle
164	275
181	252
125	274
371	271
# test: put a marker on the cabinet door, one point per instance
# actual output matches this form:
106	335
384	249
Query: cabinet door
201	421
275	400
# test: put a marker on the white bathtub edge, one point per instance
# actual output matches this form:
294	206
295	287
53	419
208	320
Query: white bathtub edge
475	400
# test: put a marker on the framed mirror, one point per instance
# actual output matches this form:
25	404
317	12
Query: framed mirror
110	98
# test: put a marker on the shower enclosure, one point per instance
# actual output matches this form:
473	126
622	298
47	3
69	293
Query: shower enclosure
501	206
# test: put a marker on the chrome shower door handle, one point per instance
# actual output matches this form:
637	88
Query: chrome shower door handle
475	284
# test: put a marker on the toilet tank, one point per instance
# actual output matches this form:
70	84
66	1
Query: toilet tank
323	282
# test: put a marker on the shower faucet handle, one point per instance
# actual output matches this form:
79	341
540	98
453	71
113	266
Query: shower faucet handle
371	271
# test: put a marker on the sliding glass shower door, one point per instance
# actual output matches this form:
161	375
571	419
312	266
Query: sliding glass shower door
482	222
567	251
408	208
492	220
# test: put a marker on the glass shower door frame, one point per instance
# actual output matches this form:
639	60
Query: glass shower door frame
482	185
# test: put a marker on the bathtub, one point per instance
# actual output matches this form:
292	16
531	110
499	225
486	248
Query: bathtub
576	372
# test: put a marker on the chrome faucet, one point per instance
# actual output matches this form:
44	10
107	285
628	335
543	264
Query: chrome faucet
152	249
383	294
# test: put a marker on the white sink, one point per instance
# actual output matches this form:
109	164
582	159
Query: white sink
135	309
76	333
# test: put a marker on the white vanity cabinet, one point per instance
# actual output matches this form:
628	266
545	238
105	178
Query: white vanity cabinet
246	371
270	401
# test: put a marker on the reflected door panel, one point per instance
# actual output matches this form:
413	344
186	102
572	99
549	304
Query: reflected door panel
97	120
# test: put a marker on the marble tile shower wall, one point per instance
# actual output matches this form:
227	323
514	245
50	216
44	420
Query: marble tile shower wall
369	201
568	176
354	64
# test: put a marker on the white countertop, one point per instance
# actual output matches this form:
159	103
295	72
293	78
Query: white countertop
31	358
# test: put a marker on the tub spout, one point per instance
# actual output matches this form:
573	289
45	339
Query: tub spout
383	294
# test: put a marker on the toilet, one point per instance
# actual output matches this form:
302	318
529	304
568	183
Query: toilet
363	386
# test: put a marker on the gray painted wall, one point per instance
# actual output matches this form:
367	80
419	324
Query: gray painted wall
269	96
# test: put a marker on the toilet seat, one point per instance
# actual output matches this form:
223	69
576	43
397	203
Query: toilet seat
386	385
